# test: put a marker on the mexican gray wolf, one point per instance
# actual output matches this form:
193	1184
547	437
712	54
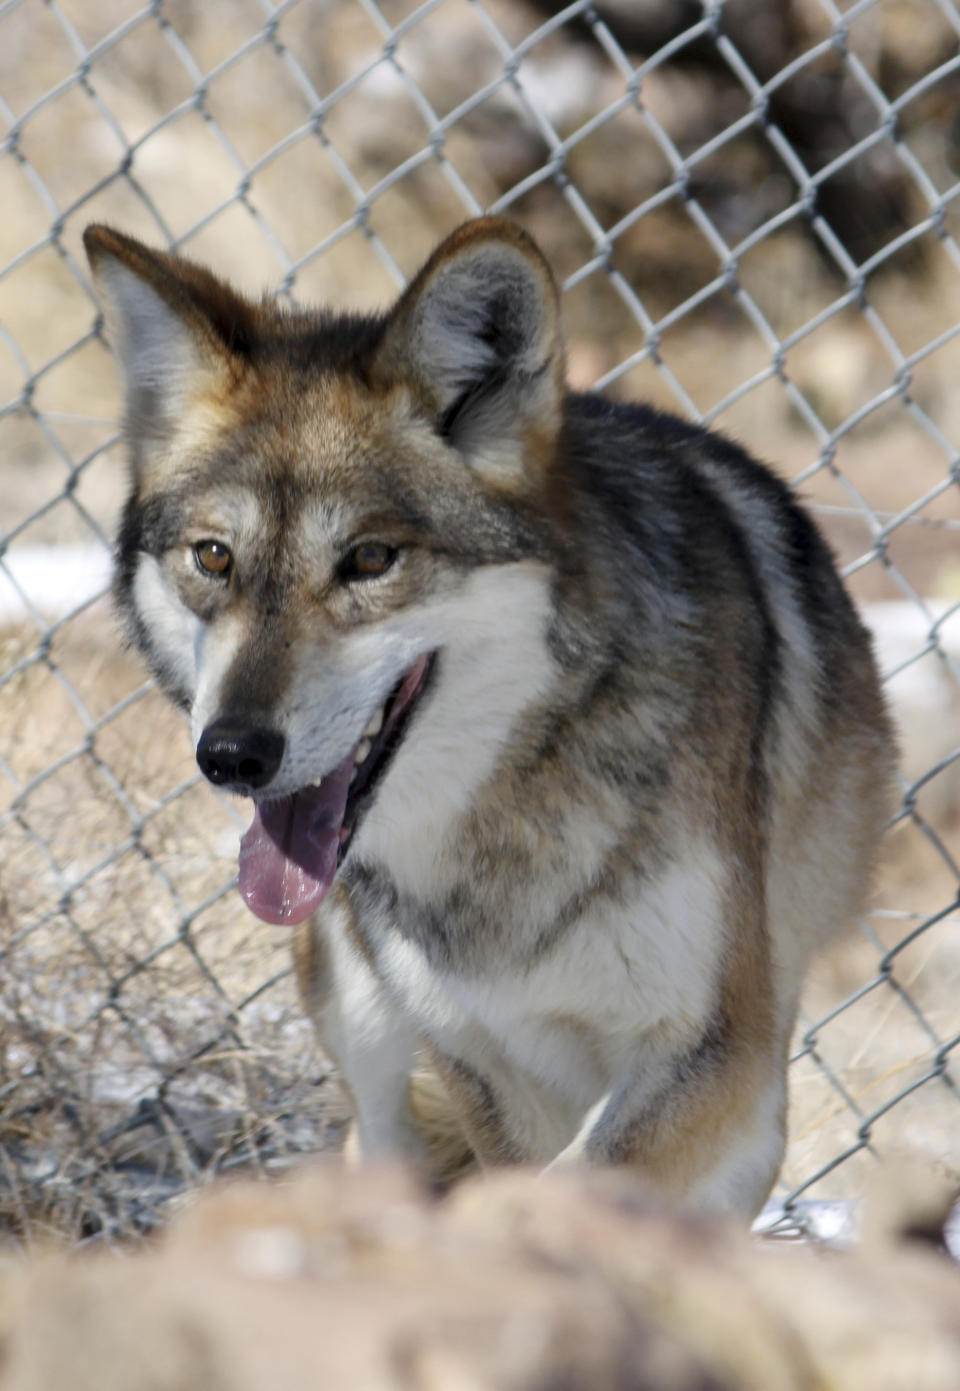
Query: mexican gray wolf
565	744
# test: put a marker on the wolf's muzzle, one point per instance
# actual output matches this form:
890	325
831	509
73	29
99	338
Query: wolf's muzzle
230	751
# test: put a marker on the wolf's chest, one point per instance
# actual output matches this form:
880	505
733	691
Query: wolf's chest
577	1004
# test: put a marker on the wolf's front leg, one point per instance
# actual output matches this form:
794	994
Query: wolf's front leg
361	1030
707	1128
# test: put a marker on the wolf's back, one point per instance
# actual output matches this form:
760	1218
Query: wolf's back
725	603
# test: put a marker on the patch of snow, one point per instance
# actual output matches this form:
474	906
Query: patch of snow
52	581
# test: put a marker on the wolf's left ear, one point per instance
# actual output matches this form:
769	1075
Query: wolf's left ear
477	336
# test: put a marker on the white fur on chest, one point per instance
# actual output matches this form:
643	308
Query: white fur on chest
579	1017
493	666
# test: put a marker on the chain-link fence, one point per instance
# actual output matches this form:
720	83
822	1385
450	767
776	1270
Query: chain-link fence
752	207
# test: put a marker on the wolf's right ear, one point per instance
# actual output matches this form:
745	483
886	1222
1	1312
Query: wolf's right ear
175	329
477	337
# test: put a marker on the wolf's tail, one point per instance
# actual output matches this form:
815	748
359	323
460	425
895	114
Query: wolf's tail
449	1154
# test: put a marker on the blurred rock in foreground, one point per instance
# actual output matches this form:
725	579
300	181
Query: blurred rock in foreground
358	1280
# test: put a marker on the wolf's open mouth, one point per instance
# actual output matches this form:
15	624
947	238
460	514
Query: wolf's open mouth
290	854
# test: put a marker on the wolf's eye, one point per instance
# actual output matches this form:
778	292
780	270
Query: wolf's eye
213	558
366	561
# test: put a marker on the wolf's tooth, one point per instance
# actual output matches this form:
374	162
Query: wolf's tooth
362	751
375	725
353	775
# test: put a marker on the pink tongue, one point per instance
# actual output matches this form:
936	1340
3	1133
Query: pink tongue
289	855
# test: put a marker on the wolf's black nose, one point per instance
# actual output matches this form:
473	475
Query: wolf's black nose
232	752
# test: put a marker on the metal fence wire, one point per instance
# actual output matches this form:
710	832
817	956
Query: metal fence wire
752	207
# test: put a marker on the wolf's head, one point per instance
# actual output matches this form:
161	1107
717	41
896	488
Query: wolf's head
336	549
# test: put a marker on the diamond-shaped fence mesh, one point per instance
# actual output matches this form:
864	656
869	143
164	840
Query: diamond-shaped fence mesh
753	210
